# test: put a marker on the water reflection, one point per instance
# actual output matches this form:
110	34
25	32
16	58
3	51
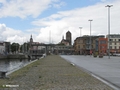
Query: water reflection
8	65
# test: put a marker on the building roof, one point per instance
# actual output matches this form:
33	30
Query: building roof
114	35
68	32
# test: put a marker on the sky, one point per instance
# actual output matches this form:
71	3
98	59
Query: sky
49	20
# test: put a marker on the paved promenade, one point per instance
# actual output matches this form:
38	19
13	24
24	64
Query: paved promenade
103	68
52	73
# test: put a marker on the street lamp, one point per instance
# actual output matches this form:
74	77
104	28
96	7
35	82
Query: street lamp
90	35
80	36
109	29
80	31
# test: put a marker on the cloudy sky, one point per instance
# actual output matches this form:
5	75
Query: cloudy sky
48	20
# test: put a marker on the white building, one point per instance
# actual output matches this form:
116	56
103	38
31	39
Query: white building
2	47
114	43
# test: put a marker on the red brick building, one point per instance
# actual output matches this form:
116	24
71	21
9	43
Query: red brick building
103	45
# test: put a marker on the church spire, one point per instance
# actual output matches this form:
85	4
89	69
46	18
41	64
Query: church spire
31	39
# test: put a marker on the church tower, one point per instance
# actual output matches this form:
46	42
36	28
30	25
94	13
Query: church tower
31	39
68	37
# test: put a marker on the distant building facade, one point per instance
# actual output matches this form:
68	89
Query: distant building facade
103	46
36	49
64	42
114	43
64	50
4	47
65	46
82	44
68	40
79	45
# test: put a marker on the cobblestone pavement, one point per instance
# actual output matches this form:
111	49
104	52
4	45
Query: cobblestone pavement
52	73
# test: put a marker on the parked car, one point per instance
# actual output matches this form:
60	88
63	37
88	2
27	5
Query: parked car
114	54
118	54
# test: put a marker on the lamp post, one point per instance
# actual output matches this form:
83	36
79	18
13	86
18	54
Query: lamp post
109	29
90	35
80	31
80	35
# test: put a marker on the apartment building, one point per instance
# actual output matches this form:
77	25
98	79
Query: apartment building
82	45
79	45
114	43
103	45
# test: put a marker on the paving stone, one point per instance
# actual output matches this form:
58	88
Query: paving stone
54	73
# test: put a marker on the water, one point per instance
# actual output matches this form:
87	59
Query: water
8	65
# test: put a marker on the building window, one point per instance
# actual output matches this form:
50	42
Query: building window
110	39
100	42
91	46
110	43
83	46
104	41
110	47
